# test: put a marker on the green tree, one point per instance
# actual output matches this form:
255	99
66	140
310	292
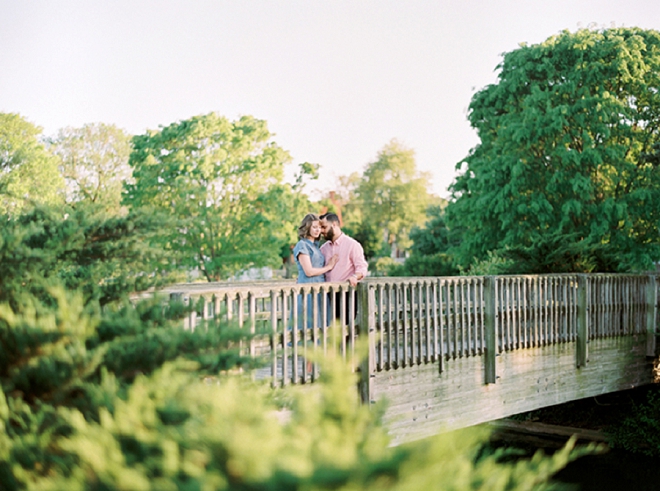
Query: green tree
434	236
82	249
94	163
221	181
28	172
568	138
430	249
393	195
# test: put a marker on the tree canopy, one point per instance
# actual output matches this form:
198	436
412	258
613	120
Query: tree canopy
393	195
568	152
94	163
28	172
221	181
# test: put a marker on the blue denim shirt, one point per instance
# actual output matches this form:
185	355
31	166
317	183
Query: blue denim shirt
306	246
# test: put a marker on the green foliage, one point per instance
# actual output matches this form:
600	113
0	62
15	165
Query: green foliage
558	253
434	237
94	163
640	431
370	237
171	430
430	247
382	266
81	249
569	147
28	172
493	264
440	264
393	195
221	182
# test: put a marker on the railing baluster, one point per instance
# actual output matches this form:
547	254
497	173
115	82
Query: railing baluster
380	331
423	321
430	338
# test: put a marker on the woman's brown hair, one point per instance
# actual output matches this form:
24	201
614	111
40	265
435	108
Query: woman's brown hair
306	224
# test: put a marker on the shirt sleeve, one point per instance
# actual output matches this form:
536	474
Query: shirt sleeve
359	262
302	247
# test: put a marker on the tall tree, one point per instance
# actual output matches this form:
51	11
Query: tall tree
567	142
393	195
28	172
94	163
222	182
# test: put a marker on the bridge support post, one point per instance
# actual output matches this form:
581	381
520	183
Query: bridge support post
367	303
582	322
651	313
490	293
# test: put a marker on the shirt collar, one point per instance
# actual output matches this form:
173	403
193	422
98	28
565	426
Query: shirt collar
338	239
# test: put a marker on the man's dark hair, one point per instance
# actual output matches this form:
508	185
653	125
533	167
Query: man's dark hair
330	217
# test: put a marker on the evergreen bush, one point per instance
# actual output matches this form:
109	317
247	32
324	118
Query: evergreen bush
640	431
99	395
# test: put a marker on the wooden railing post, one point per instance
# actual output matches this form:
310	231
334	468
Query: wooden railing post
274	337
367	302
582	321
490	292
651	313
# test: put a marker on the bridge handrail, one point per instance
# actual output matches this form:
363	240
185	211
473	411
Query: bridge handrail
419	320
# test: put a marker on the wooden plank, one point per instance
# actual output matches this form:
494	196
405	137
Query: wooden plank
490	293
583	325
422	401
651	314
368	322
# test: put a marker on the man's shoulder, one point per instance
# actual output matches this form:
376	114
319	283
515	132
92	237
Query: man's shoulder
350	239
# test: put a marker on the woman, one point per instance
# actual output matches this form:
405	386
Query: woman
311	264
308	256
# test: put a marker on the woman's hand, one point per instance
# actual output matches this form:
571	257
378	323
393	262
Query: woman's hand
333	260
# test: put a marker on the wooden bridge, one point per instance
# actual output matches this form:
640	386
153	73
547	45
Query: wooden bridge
449	352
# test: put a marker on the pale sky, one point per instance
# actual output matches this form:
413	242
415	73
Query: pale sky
336	80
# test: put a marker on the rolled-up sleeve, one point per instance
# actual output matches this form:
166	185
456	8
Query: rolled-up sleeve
359	262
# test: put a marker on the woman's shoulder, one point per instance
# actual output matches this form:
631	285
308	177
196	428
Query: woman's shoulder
304	245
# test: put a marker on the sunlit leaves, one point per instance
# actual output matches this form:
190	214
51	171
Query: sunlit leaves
94	163
221	181
567	135
28	172
394	195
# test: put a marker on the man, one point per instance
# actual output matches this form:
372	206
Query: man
351	265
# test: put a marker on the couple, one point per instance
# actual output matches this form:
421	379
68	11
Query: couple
340	258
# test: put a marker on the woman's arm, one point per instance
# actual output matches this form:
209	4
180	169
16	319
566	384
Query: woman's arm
309	270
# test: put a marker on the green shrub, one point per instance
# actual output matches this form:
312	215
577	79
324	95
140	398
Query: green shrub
172	430
640	432
102	394
439	264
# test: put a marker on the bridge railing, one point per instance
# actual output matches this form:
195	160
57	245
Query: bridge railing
415	321
289	322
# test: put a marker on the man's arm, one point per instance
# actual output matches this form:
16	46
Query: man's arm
359	263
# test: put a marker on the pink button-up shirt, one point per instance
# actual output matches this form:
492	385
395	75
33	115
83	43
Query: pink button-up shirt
351	258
